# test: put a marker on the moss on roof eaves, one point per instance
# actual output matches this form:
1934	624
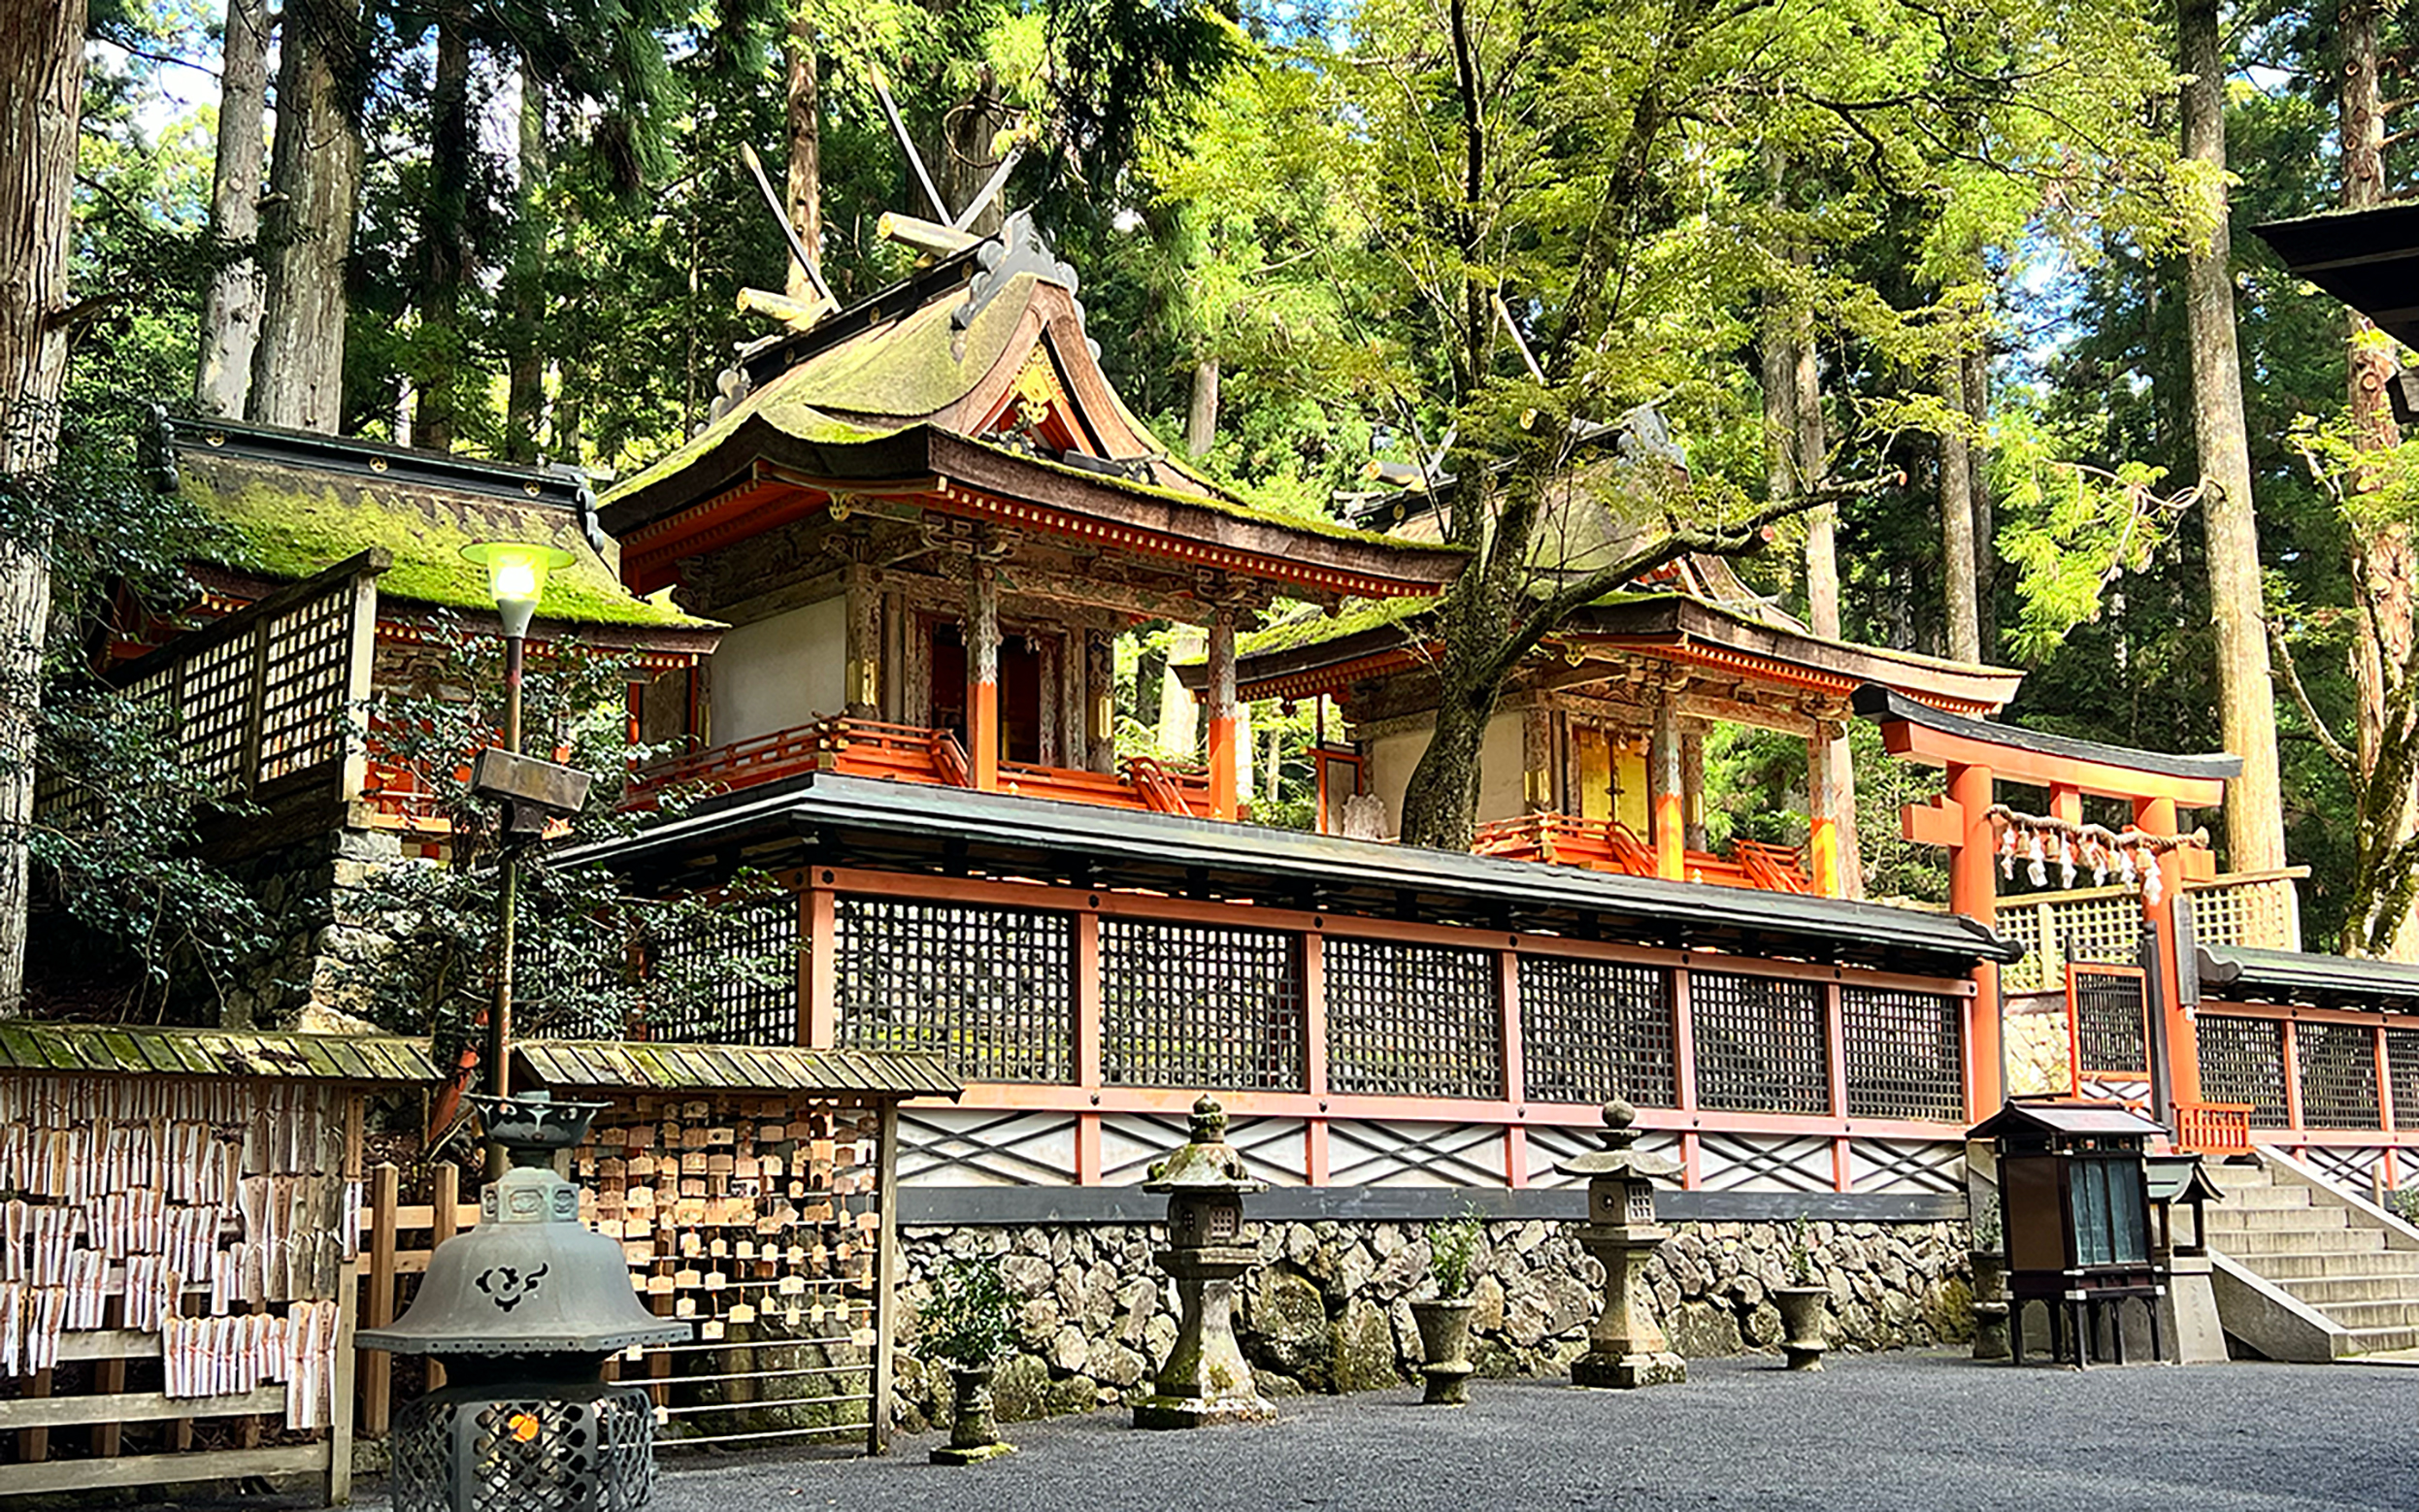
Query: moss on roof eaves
1216	505
293	523
1310	630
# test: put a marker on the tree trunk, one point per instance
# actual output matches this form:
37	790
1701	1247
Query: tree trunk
1965	631
1977	374
315	182
1201	425
1822	522
42	68
804	201
2255	831
966	156
1440	801
445	239
524	397
231	307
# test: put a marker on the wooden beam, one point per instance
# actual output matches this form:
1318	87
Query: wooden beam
2034	768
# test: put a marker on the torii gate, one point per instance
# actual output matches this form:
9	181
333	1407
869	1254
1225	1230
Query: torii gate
1976	755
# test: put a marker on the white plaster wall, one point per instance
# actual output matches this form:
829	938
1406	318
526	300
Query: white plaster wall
1499	770
780	671
1392	757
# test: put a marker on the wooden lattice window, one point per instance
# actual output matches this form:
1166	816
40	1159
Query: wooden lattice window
2242	1060
214	711
752	1007
1200	1006
1594	1030
2338	1065
1761	1046
1904	1054
2111	1022
1412	1020
2401	1064
990	990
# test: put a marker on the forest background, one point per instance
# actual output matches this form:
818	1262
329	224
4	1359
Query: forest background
1948	250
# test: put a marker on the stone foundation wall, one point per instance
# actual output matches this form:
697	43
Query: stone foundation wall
311	892
1328	1309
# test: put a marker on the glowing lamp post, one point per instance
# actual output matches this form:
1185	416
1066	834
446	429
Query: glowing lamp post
516	578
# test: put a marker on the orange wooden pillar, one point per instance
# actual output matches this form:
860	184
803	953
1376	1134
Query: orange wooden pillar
1973	892
2157	816
1822	810
1667	791
1225	761
982	677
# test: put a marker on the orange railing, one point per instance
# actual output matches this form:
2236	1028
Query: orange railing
908	753
1610	845
2213	1128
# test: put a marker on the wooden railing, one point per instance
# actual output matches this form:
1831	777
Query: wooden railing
909	753
2213	1128
1610	845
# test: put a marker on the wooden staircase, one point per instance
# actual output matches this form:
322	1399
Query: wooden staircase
2304	1270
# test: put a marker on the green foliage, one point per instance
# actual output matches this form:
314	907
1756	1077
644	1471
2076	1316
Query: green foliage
1801	1250
969	1320
593	958
1454	1246
2071	530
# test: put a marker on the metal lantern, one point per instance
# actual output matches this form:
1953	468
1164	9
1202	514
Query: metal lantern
525	1309
1627	1347
2075	1201
1205	1380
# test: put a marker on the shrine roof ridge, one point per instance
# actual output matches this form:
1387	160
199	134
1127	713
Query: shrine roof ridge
826	815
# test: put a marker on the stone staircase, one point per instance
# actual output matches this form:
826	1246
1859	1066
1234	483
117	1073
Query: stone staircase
2304	1270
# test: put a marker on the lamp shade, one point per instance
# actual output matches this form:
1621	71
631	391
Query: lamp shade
516	577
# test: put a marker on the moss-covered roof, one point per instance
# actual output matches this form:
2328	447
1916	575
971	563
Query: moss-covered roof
1307	630
290	519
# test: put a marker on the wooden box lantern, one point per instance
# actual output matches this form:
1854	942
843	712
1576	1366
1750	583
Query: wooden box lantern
2074	1201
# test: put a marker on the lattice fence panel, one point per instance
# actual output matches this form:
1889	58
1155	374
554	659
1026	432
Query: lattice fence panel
1370	1153
1274	1149
2262	914
1200	1006
304	718
2339	1063
2402	1064
990	990
981	1148
1904	1054
2111	1022
1412	1020
1592	1030
1765	1163
747	957
2242	1060
1906	1164
1761	1046
214	712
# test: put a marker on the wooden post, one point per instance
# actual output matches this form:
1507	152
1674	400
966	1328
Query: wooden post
2387	1117
982	675
109	1378
1665	792
1536	759
33	1444
1225	761
338	1487
861	689
885	1281
1087	1045
2157	816
1973	891
377	1366
819	972
1099	692
444	1194
1836	1048
1314	1053
1693	786
1684	1077
1822	805
1515	1066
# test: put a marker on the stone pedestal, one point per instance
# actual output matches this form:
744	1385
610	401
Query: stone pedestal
2190	1312
973	1434
1205	1381
1445	1350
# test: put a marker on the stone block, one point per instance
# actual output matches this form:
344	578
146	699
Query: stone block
1701	1331
1365	1357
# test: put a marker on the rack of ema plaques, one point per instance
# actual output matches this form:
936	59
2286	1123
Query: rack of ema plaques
177	1262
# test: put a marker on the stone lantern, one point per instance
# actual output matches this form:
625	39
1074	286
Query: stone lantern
1205	1380
524	1310
1626	1347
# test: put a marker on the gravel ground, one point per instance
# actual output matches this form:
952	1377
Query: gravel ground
1901	1431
